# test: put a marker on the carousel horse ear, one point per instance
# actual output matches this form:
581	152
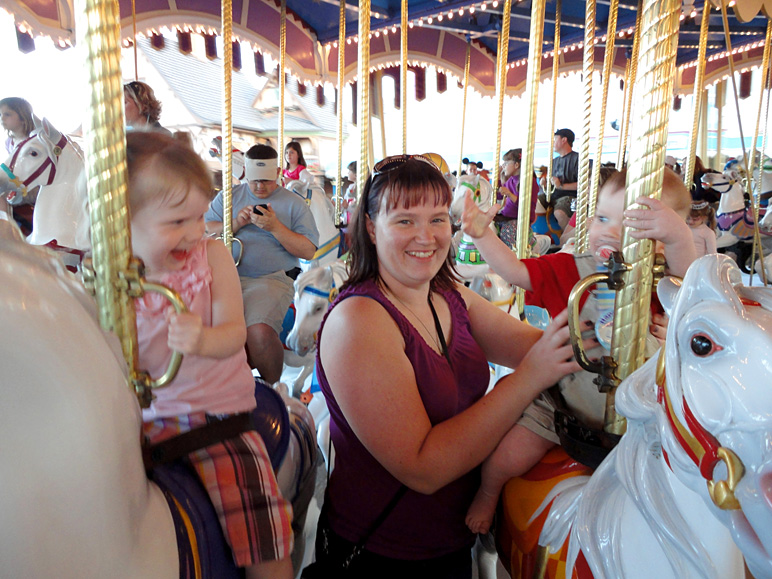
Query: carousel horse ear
667	291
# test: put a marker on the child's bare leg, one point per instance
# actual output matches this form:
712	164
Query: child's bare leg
518	451
281	569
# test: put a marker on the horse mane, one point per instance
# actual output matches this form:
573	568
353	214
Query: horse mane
321	277
634	470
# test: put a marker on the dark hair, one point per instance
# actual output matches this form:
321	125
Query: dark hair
352	166
22	108
411	183
160	166
262	152
513	155
465	161
144	97
295	146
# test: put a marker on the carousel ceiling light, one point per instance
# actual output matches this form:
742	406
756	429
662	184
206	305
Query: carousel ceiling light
483	7
348	41
410	24
461	12
471	10
421	22
439	18
393	28
450	15
429	20
495	3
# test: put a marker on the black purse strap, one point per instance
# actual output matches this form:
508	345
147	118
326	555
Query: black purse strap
440	334
384	513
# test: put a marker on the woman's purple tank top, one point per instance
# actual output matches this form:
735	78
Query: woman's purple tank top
420	526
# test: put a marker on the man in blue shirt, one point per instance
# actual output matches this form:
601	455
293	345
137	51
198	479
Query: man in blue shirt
275	227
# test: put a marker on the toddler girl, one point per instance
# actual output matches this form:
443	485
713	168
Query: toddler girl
169	192
702	221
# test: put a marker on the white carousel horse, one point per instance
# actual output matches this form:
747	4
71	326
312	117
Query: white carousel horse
324	216
734	217
75	500
469	262
315	289
686	493
44	171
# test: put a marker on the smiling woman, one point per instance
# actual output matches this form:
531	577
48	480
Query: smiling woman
403	365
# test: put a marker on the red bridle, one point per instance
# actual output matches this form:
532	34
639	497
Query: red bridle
47	164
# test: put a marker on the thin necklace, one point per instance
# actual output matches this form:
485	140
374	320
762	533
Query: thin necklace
433	336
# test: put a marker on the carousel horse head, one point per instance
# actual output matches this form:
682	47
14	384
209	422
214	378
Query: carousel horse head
324	217
696	459
481	190
44	170
715	408
315	290
734	216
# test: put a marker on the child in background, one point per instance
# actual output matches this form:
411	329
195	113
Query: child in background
702	221
295	167
548	280
17	118
510	191
169	192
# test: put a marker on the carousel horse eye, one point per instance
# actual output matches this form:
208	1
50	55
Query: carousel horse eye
702	345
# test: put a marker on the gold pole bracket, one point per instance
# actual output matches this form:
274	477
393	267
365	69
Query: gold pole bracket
132	282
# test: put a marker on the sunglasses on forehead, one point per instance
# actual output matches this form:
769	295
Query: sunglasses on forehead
395	161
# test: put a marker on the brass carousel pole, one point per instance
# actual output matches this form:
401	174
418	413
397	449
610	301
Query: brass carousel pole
555	71
363	113
227	122
582	186
699	82
105	156
282	63
341	65
501	86
630	86
608	61
463	110
653	91
403	76
756	194
526	165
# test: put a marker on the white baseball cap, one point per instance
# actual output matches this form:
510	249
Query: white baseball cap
260	169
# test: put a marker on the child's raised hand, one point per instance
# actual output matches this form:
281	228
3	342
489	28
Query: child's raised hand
186	333
473	221
658	222
552	357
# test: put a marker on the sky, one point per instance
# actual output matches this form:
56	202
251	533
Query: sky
51	79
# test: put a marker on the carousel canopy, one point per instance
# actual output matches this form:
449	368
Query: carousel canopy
438	35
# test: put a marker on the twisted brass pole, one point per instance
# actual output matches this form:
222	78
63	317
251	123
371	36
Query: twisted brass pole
526	165
555	71
654	89
582	186
608	60
282	64
363	113
227	123
756	193
403	76
623	120
341	65
501	87
105	165
463	110
699	81
630	88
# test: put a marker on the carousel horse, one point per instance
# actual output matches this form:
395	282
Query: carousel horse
43	171
734	217
469	262
76	499
686	492
324	216
315	289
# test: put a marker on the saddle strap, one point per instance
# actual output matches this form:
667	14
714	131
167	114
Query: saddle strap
183	444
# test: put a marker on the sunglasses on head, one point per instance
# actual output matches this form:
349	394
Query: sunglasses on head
391	163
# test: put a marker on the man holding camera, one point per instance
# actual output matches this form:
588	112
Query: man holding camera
275	228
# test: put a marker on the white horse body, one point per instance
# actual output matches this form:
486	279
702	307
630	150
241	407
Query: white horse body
75	499
60	204
324	216
647	512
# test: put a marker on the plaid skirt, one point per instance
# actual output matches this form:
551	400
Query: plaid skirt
237	475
